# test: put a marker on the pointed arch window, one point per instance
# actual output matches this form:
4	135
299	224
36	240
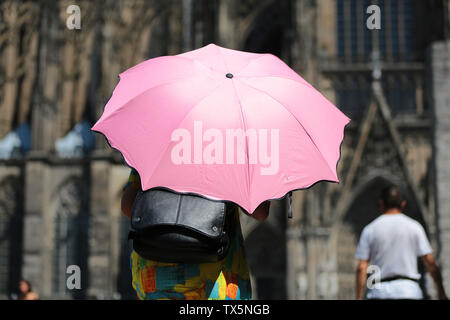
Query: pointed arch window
400	51
10	236
70	237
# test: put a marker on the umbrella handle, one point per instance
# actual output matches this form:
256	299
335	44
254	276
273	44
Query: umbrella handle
290	205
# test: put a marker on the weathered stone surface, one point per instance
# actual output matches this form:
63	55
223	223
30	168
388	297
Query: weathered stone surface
440	74
31	270
33	231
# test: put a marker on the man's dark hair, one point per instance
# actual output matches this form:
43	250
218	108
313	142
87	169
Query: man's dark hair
392	197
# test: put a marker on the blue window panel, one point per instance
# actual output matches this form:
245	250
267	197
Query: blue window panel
354	30
367	33
340	29
382	32
394	28
408	27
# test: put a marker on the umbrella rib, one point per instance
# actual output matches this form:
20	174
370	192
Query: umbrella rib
307	133
262	55
199	62
115	111
306	84
219	50
246	138
145	91
185	116
242	119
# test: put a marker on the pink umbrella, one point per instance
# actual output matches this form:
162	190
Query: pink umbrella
225	124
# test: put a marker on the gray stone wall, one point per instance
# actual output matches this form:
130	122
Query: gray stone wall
440	76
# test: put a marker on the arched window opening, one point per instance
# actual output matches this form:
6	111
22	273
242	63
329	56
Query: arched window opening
70	245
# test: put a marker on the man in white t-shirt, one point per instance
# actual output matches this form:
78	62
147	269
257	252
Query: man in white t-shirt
392	243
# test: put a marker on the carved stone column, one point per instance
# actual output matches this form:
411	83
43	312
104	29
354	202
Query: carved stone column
9	64
46	98
440	76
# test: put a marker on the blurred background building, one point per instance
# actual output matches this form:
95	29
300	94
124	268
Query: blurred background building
60	185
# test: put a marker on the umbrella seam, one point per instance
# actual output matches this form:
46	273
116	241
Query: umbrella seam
242	119
185	116
132	70
256	59
110	140
246	138
145	91
307	133
306	84
219	50
201	63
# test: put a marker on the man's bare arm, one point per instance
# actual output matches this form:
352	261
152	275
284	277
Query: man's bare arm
433	269
261	213
361	278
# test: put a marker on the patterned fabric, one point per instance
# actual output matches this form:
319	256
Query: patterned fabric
133	180
224	280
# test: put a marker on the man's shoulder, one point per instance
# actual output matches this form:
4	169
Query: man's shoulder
401	220
375	222
380	222
411	221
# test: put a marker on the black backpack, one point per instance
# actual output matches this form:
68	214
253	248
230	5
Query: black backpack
181	228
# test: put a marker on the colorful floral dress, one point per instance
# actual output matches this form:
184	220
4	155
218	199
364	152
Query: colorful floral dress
224	280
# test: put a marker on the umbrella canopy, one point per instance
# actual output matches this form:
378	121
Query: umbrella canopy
224	124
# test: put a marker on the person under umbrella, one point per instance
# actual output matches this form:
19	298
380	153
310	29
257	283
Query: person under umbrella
227	125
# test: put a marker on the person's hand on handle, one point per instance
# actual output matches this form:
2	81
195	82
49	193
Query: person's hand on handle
433	269
361	278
